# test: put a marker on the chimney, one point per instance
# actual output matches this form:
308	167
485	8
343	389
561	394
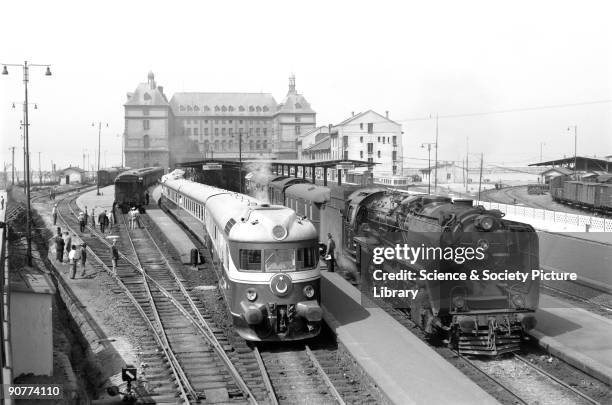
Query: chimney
387	114
352	113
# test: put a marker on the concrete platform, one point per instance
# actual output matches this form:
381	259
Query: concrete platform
176	235
98	202
404	367
575	335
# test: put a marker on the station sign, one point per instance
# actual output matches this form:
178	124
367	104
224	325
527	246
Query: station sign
345	166
212	166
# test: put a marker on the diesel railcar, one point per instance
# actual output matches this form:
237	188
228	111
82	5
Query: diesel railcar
482	317
131	185
268	257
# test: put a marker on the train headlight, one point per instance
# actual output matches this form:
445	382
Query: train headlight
309	292
485	222
483	244
251	294
518	301
459	301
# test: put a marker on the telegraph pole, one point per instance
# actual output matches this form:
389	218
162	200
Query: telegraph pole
39	171
467	166
428	164
12	148
99	136
436	167
480	180
575	146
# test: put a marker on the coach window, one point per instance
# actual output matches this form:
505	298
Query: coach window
250	260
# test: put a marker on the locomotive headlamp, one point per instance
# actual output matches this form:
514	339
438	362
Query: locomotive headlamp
484	222
483	244
518	301
459	301
251	294
309	292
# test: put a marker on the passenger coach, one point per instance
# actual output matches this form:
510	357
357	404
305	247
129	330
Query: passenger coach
268	255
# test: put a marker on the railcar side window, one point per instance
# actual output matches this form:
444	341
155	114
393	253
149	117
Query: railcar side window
277	260
250	259
306	258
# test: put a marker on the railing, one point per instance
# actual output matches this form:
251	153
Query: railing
581	222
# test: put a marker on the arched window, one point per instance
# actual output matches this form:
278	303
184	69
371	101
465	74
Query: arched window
189	108
258	109
206	145
241	108
230	108
146	142
231	145
217	108
196	108
216	145
223	145
250	145
265	108
251	108
224	108
257	145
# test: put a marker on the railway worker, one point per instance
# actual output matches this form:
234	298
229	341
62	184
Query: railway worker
93	218
86	214
147	197
59	246
67	243
82	222
50	193
111	218
102	220
73	258
83	258
2	202
137	218
331	250
54	213
114	255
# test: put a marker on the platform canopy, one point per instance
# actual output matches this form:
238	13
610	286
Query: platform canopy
582	163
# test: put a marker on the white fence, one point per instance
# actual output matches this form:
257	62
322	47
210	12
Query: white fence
581	222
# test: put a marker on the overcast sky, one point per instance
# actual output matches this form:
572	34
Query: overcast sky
414	59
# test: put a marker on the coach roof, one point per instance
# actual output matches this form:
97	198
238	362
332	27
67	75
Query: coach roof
309	192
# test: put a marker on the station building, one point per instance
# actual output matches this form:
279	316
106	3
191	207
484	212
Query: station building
196	125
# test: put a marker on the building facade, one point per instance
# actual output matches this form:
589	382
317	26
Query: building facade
196	125
369	136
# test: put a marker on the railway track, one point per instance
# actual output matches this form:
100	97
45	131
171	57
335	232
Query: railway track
298	373
515	379
185	357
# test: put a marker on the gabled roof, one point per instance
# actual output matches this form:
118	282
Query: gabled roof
361	114
145	95
295	103
223	104
324	144
72	168
561	170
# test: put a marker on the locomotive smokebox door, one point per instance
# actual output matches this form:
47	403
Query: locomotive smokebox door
129	373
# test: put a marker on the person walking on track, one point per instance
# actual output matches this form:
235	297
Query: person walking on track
93	218
103	221
83	258
59	246
73	258
114	255
54	213
86	214
82	222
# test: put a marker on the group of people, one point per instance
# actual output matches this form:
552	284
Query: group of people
51	193
67	245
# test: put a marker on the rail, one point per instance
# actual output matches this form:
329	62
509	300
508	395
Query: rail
580	223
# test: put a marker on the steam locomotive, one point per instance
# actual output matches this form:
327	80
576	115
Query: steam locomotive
475	316
269	258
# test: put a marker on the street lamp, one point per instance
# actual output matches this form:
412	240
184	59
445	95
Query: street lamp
428	164
26	68
93	124
575	127
541	145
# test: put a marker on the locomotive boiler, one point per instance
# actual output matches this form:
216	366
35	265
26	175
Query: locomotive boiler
483	315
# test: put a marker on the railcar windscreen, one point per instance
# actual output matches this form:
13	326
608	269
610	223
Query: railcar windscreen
250	260
277	260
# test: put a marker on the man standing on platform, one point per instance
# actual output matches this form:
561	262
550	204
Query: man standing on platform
331	250
54	213
114	255
83	257
82	223
59	246
73	258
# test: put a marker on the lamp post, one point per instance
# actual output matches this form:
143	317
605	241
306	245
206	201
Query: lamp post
575	127
428	164
93	124
26	68
541	145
